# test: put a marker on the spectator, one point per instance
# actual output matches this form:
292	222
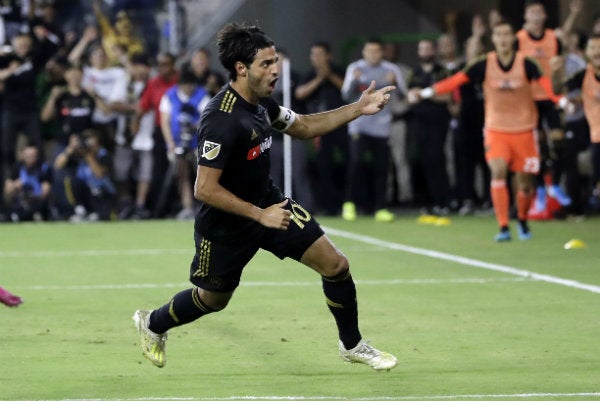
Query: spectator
401	190
369	135
106	85
48	36
138	165
52	76
14	18
121	33
82	178
150	102
468	136
27	190
180	110
428	124
20	107
199	65
70	106
320	91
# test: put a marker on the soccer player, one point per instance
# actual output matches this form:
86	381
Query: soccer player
588	81
510	118
542	45
242	211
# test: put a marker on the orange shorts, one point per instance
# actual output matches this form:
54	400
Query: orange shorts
519	150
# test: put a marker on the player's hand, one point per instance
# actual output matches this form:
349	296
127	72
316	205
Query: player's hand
275	216
372	101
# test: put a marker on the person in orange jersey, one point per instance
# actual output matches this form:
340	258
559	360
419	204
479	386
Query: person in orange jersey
511	117
588	80
543	44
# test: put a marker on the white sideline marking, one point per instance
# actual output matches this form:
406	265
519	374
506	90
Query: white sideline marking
92	252
327	398
465	261
274	284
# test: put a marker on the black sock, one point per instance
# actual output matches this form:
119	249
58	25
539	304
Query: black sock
524	226
340	295
185	307
504	229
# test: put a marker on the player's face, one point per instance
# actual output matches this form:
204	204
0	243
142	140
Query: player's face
318	57
535	14
503	38
372	53
263	72
592	52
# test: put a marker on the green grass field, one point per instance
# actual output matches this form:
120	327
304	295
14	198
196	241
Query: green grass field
467	318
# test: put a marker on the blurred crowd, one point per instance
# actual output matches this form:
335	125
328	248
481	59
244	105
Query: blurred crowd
97	123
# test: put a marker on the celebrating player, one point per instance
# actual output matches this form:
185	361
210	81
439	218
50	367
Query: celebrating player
242	211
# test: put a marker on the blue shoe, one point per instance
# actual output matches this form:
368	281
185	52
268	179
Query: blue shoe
523	235
557	193
540	199
502	236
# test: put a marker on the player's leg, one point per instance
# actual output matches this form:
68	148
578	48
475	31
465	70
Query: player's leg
215	272
497	157
340	295
526	164
305	242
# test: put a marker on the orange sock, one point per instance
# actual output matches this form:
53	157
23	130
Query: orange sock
523	204
499	194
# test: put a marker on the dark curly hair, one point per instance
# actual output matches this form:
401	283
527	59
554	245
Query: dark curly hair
240	42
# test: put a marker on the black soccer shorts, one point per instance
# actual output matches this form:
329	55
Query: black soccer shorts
218	264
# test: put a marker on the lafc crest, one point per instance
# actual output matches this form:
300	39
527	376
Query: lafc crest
210	150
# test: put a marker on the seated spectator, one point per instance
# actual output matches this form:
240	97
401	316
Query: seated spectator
27	190
82	179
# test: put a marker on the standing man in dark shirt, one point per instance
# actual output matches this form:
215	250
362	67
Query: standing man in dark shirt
320	90
427	125
242	211
20	108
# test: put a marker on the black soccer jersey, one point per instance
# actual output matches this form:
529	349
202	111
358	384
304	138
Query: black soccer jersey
235	136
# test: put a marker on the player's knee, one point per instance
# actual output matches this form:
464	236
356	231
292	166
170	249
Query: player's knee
214	300
337	266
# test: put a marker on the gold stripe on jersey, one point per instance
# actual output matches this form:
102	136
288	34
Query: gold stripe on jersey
203	259
228	102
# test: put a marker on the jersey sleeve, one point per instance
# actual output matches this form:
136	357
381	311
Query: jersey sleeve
216	138
272	108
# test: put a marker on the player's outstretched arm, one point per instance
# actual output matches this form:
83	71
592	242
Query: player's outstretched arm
313	125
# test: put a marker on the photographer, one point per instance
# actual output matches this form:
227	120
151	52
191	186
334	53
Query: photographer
180	109
27	190
82	179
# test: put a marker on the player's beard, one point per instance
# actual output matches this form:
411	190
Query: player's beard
260	86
